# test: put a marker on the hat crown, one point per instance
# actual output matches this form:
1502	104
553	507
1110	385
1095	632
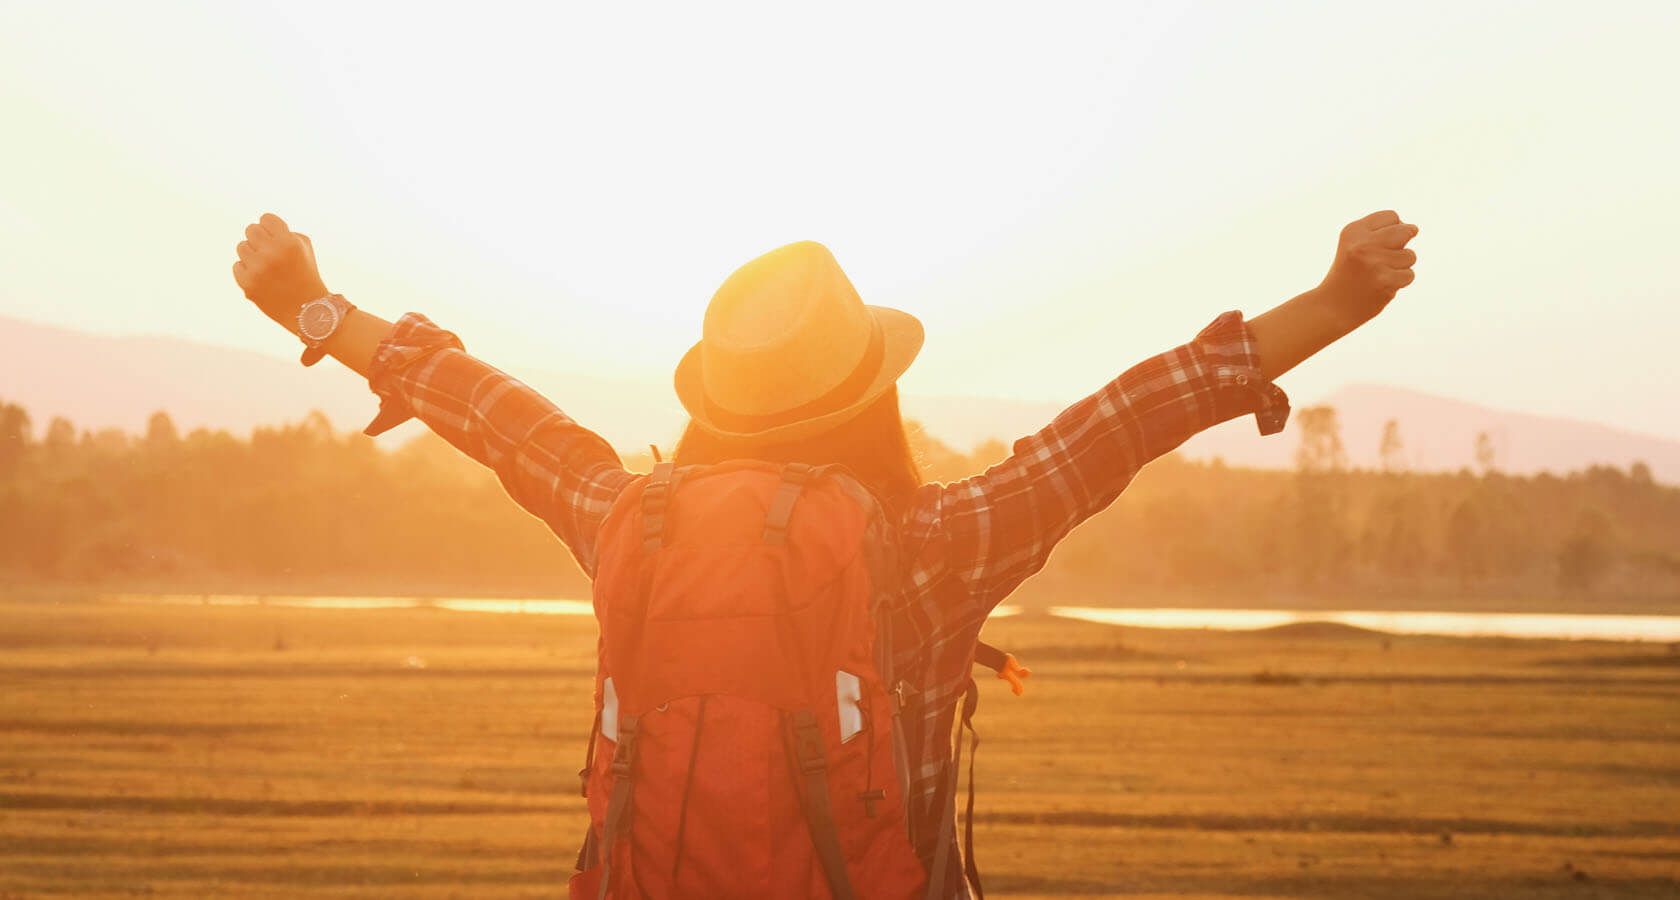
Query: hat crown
782	330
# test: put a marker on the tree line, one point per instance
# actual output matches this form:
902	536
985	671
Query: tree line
301	507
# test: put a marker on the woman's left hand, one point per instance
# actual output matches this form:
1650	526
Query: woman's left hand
276	270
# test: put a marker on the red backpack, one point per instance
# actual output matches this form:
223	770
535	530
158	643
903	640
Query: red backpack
748	745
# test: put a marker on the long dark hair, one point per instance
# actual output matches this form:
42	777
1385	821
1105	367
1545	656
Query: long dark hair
874	447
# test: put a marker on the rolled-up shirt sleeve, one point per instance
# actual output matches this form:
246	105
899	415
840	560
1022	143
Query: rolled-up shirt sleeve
550	465
411	340
1239	388
995	529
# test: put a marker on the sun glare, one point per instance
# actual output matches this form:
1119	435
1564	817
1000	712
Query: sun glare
1049	193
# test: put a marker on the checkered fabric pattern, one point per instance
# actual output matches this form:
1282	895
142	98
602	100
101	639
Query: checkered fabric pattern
963	547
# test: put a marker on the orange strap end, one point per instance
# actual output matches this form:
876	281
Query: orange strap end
1014	673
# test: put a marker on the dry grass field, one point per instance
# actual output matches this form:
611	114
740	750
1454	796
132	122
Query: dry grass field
265	752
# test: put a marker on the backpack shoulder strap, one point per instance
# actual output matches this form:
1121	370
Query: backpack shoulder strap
655	503
942	858
971	700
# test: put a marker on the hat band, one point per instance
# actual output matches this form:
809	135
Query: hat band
839	397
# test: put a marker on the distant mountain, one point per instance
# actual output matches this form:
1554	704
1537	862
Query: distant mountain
1440	434
102	382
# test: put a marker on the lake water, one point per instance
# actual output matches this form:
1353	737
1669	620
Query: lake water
459	604
1515	625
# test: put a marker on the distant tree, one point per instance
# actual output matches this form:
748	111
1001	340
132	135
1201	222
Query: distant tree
317	426
1320	449
1487	456
1394	530
1394	534
1323	545
160	430
14	439
1509	527
1585	556
1467	544
60	438
1640	472
106	441
1392	450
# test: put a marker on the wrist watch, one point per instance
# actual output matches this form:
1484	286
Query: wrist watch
318	320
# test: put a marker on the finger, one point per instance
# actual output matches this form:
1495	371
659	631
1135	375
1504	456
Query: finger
306	241
275	225
1380	219
256	234
1395	279
1395	235
245	251
241	274
1396	259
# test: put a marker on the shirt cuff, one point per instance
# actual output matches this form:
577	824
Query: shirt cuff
1235	359
412	339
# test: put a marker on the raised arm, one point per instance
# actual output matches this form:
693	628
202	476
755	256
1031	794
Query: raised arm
554	468
993	530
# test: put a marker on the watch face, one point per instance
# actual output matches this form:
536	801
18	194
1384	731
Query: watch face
318	321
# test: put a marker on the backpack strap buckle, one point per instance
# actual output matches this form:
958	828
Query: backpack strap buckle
624	755
794	478
656	496
589	756
808	743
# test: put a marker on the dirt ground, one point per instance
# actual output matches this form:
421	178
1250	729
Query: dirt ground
265	752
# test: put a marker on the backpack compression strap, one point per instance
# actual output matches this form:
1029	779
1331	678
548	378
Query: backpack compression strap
812	774
618	807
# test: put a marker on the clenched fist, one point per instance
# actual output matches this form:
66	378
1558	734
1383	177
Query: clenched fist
1372	264
276	270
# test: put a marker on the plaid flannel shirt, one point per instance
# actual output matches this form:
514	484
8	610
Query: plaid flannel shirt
963	547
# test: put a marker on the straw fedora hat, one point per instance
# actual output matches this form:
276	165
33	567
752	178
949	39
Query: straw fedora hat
789	350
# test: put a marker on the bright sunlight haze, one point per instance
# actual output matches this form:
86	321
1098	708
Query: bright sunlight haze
1054	194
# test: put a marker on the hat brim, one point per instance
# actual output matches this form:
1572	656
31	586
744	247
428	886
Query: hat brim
901	340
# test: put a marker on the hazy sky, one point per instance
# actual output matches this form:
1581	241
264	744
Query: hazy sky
1056	192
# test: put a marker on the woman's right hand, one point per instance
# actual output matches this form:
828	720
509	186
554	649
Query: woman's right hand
276	270
1372	264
